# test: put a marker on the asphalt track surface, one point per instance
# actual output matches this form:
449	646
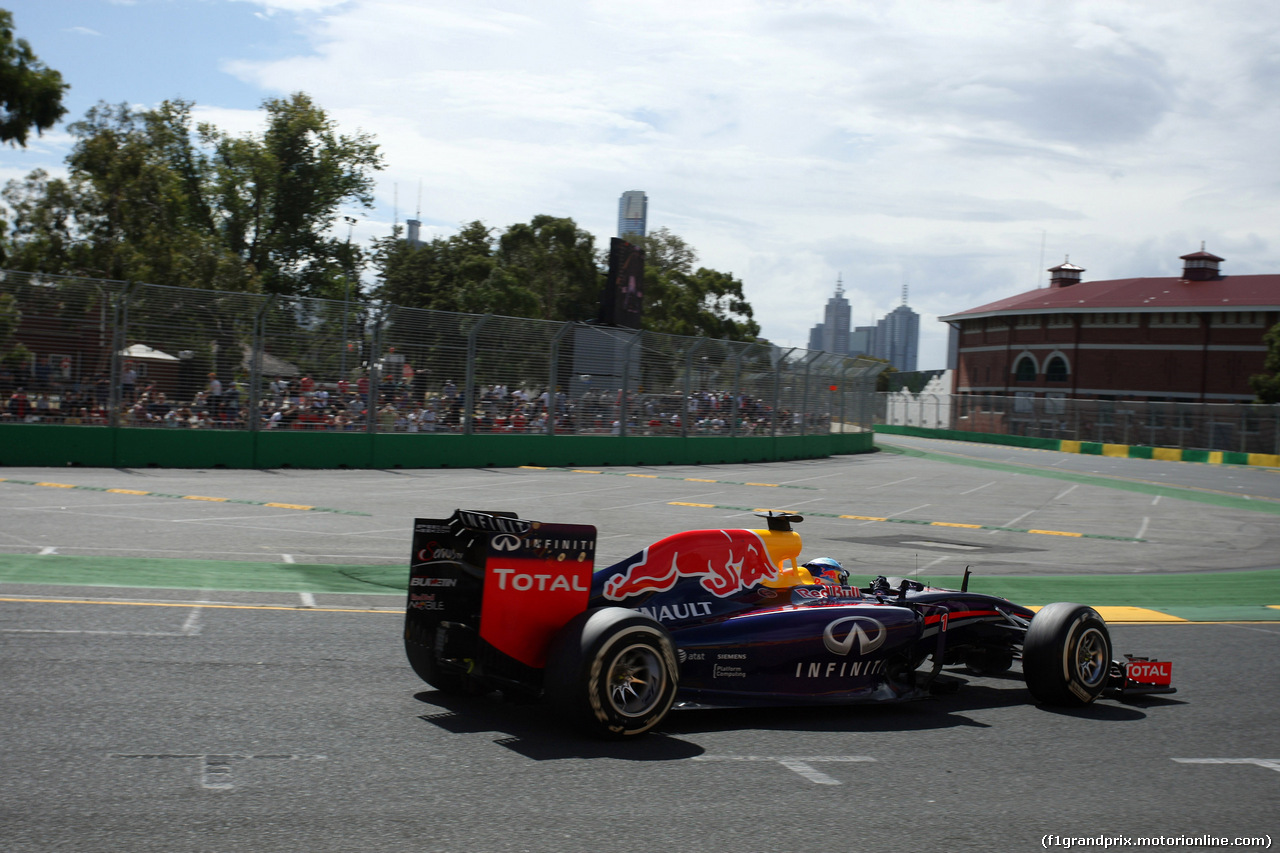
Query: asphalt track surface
185	667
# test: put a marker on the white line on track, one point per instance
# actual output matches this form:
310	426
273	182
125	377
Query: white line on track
1016	520
1142	529
821	477
894	483
190	627
898	513
1270	763
1252	628
801	765
1065	492
308	600
215	770
977	488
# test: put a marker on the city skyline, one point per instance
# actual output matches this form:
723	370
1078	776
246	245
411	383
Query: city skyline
895	337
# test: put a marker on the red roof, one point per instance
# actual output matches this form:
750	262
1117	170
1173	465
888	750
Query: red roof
1229	293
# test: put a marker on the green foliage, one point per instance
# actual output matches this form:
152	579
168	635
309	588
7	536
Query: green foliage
542	270
13	354
885	379
455	273
30	93
547	269
151	198
553	260
1267	385
679	300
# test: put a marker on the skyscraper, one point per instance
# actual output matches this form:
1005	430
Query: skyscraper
835	322
832	334
633	212
898	336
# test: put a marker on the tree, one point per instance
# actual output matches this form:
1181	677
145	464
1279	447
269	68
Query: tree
1267	385
553	260
30	93
281	195
680	300
449	274
149	197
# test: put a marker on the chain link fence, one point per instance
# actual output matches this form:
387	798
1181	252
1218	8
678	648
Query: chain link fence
1228	427
96	352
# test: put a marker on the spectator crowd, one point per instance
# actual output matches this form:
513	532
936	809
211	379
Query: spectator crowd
399	405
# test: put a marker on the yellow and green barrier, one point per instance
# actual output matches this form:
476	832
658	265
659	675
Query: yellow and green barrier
1090	448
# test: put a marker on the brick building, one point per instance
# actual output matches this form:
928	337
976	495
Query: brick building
1192	338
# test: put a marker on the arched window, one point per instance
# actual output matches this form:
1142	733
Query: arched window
1025	370
1056	369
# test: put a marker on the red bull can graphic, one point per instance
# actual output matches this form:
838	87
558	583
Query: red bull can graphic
726	561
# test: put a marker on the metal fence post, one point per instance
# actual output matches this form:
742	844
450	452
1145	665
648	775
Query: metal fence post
257	348
735	405
624	405
688	385
375	373
469	391
119	339
553	372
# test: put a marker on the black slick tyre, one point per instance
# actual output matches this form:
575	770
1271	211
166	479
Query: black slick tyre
612	672
1066	655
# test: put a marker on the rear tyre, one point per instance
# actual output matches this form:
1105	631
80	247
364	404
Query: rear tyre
613	672
1066	656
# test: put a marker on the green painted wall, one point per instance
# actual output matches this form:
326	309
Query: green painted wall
49	445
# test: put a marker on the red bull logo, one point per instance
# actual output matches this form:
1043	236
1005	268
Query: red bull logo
726	560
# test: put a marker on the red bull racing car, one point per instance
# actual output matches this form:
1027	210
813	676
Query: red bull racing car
718	618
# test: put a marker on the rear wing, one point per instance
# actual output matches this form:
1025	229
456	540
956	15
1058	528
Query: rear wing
516	582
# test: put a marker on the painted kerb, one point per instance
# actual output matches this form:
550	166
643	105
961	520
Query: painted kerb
1090	448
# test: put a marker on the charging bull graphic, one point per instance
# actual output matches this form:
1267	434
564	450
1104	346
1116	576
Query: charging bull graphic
726	560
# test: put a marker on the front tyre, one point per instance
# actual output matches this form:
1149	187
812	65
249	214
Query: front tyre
1066	655
613	672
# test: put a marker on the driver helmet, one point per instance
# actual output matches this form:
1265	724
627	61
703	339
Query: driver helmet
827	570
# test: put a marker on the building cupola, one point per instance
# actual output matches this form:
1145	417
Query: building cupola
1065	274
1201	266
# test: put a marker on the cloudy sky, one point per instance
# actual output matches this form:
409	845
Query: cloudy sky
955	147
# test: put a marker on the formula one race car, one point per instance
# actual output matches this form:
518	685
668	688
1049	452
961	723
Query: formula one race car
718	618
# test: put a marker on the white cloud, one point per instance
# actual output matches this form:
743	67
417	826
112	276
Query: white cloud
957	147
